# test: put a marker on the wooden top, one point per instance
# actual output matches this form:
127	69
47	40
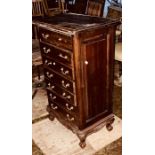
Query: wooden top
71	23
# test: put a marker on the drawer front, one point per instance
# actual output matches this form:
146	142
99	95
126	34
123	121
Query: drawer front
65	71
56	39
55	98
57	54
69	97
61	112
58	80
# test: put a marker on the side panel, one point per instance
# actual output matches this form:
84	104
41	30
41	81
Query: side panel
96	77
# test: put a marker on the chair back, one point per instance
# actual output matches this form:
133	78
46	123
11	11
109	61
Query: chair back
39	8
95	7
114	13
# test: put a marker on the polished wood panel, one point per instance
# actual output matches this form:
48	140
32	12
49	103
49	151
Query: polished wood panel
95	75
95	7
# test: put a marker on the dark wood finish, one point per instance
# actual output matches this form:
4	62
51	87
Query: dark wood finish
56	39
57	54
114	13
95	7
81	99
38	8
58	67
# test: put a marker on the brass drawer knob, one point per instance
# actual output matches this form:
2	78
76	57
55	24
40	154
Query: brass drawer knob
65	85
45	36
49	75
54	107
59	39
52	87
49	85
86	62
63	71
69	108
63	56
46	50
52	96
66	96
54	63
70	118
48	63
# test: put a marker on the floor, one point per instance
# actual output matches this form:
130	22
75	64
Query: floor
114	148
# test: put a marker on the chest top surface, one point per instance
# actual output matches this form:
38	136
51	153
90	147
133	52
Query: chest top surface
72	23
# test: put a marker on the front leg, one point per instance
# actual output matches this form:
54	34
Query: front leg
82	138
51	117
109	124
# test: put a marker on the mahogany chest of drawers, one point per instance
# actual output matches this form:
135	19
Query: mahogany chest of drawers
78	55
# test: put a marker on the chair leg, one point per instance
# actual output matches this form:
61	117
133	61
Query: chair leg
118	80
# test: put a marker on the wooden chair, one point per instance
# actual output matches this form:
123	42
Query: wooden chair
118	58
95	7
39	8
115	13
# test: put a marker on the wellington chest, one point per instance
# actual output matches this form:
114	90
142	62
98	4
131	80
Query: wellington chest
78	59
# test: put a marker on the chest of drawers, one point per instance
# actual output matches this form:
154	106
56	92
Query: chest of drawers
78	55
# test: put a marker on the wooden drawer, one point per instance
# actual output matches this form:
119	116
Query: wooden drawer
57	54
60	112
58	67
56	39
62	92
59	80
55	98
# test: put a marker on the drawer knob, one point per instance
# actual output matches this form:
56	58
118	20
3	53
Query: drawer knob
49	85
45	36
66	96
86	62
64	72
54	63
65	85
49	75
48	63
46	50
69	108
60	39
63	56
52	96
54	107
70	118
52	87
